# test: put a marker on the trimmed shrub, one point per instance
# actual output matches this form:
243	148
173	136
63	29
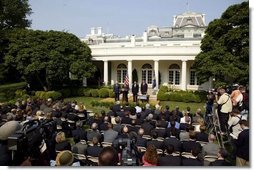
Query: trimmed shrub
87	92
49	94
20	93
163	96
164	88
111	93
55	95
104	92
94	93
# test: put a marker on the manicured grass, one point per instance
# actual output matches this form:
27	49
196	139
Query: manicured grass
182	106
87	102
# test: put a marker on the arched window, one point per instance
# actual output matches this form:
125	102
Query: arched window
147	72
193	77
174	74
121	72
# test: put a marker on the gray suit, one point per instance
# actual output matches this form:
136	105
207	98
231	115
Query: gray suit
211	149
110	135
79	148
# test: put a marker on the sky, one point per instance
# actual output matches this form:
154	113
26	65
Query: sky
121	17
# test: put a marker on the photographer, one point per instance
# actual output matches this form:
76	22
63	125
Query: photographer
224	108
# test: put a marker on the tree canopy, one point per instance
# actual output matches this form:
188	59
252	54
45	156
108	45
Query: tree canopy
13	14
225	48
48	57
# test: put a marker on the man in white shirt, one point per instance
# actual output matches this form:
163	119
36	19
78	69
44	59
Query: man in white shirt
226	107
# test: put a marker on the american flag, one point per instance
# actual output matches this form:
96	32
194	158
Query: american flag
126	80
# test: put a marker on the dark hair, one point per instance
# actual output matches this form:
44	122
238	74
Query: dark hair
108	157
170	149
244	122
223	153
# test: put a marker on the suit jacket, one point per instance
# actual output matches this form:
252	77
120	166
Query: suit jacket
210	149
201	136
110	135
79	133
242	144
175	142
191	162
79	148
116	88
170	161
147	128
187	146
135	89
141	141
92	133
144	88
93	151
220	163
157	144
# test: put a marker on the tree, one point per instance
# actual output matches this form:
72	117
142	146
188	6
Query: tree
13	14
225	48
48	57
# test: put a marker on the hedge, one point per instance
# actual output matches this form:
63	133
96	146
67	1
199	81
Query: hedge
94	93
7	91
104	92
181	96
55	95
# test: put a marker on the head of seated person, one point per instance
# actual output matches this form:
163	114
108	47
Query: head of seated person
108	157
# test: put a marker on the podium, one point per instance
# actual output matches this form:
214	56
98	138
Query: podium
143	97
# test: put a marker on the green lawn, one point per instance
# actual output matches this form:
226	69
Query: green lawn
87	102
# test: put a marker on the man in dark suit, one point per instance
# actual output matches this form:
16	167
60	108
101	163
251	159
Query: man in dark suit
135	90
94	150
125	92
169	159
194	159
144	87
242	143
116	91
222	154
172	140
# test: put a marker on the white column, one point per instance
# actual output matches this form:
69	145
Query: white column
156	70
130	73
105	72
184	70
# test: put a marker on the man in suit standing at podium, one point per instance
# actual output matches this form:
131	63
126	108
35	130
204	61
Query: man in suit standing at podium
125	92
117	91
135	90
143	88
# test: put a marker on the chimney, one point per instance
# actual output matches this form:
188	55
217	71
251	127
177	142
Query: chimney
145	37
92	31
133	40
99	30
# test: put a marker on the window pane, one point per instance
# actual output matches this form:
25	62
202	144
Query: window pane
144	75
124	74
192	77
177	77
171	77
119	76
149	77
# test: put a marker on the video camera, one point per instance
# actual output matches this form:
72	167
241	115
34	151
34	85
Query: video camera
128	153
29	140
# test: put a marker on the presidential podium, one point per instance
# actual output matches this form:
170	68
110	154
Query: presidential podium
144	97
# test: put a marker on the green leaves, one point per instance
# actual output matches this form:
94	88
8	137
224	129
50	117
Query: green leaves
50	55
225	48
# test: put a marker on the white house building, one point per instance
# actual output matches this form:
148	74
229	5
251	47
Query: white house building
165	54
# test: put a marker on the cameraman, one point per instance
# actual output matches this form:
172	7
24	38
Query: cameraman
7	130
